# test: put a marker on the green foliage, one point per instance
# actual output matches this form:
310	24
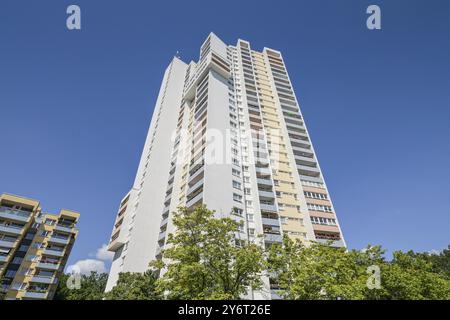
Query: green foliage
92	287
204	262
410	276
134	286
323	272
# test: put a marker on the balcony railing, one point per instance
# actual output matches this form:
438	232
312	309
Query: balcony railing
36	294
61	240
11	229
18	215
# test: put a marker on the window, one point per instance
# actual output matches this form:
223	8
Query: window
10	273
238	211
250	217
315	195
237	197
319	207
17	260
323	221
50	222
236	185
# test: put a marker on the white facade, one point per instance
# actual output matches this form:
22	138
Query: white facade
226	132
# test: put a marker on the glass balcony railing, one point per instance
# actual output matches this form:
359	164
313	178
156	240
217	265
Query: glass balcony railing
14	214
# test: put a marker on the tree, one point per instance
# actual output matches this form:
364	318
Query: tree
411	276
440	261
203	260
92	287
134	286
323	272
315	272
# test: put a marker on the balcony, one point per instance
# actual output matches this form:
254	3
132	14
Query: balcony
3	258
11	229
7	244
196	174
334	243
268	207
60	240
300	149
195	187
164	222
17	215
55	253
263	171
266	194
48	265
36	294
198	198
43	279
64	228
268	237
161	236
266	182
270	222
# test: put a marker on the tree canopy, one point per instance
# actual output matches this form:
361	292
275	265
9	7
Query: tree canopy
205	259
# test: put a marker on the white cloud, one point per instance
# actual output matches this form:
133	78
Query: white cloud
86	266
103	253
100	263
434	251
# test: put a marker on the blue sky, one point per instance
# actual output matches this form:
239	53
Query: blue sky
75	105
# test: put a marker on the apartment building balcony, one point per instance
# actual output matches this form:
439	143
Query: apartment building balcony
266	182
44	279
270	222
310	178
195	200
158	251
166	210
266	194
3	258
65	228
263	170
55	253
295	126
333	243
16	215
299	141
268	207
7	244
167	198
60	240
314	171
48	265
196	175
162	235
164	222
36	294
199	184
305	158
269	237
10	229
302	150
